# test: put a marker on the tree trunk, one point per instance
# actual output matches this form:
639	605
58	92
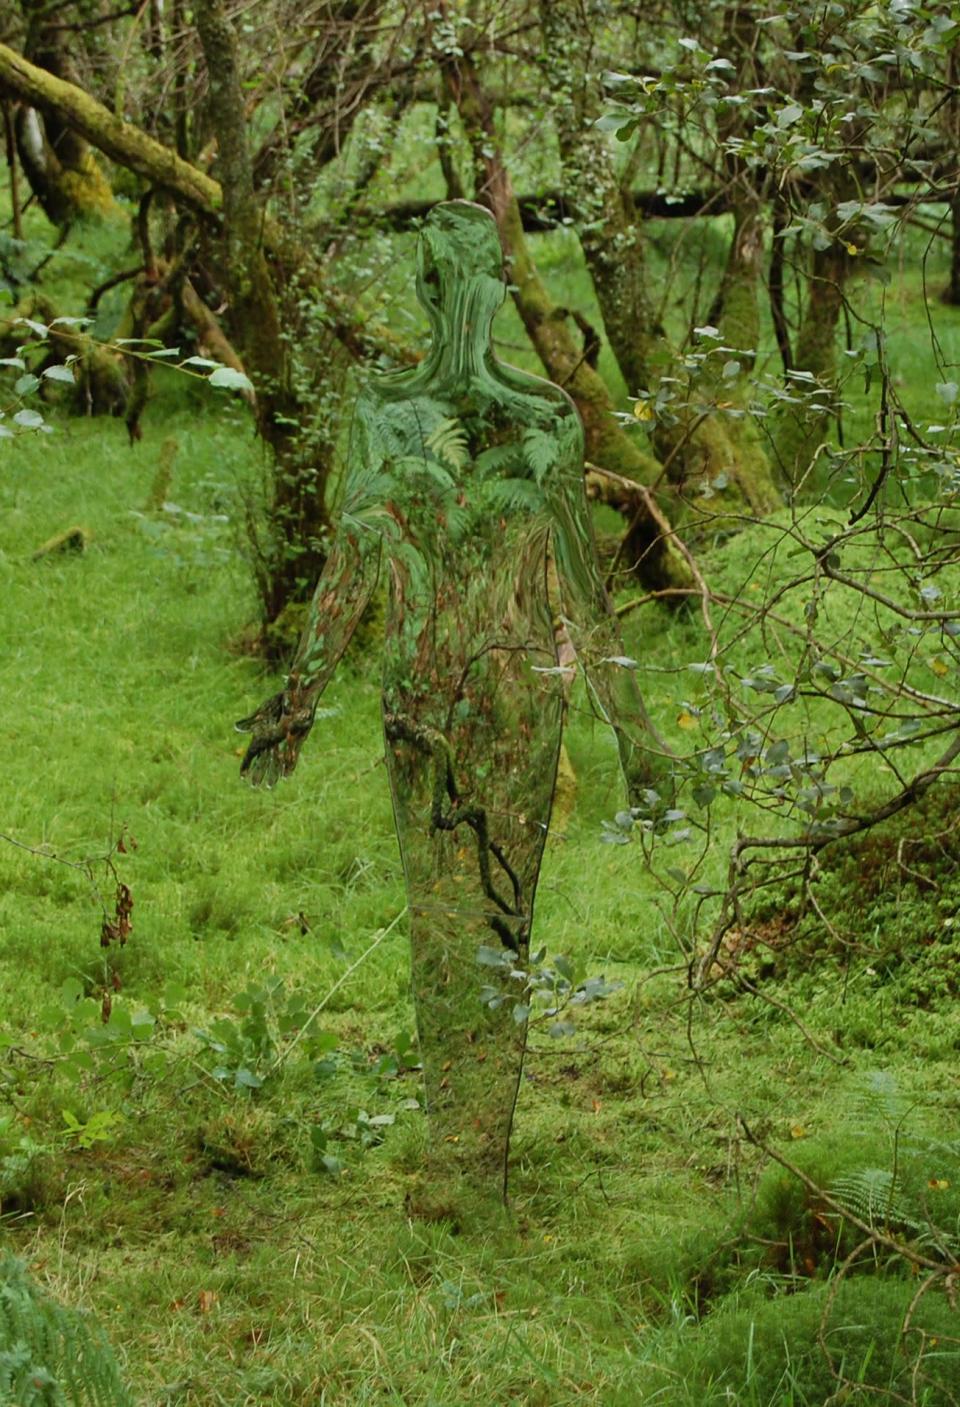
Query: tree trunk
802	428
715	464
299	521
62	170
605	217
11	146
952	122
547	325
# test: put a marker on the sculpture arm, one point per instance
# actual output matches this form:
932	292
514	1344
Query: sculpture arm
346	584
595	635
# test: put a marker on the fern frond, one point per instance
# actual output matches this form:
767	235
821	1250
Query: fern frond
51	1356
541	452
874	1196
448	443
877	1099
513	495
500	457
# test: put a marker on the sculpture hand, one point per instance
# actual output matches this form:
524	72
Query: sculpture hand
278	728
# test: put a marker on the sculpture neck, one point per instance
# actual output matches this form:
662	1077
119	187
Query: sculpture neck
462	335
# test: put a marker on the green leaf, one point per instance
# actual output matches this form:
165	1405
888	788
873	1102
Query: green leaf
60	373
612	122
71	991
493	957
788	115
229	379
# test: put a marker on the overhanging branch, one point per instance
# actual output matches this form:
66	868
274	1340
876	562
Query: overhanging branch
119	140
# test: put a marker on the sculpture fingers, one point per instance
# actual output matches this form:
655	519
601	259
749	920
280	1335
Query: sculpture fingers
270	711
262	766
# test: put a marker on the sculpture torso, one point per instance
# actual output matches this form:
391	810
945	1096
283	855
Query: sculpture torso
465	477
463	460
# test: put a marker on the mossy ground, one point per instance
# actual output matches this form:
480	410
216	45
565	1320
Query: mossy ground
650	1254
228	1264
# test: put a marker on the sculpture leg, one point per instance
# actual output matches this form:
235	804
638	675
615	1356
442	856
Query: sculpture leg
472	834
472	1054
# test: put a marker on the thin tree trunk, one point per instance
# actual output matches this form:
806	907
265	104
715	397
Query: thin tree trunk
714	464
547	325
775	286
952	291
11	144
953	288
298	508
181	121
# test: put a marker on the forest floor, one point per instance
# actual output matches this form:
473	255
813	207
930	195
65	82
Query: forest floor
196	1214
228	1195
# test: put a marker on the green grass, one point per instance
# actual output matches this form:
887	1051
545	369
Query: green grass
228	1266
650	1252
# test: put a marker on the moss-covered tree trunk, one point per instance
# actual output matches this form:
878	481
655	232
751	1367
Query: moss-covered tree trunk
164	168
294	557
735	473
714	461
63	172
547	325
607	222
804	426
119	140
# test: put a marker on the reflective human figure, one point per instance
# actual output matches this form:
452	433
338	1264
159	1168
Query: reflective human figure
465	482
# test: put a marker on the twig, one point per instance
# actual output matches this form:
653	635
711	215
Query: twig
879	1237
788	1011
82	865
383	933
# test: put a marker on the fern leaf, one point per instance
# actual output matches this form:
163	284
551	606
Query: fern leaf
513	495
541	453
448	443
51	1356
873	1196
500	457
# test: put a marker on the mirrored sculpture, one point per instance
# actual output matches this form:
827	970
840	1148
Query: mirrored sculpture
465	483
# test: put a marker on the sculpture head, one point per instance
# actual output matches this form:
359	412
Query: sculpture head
459	261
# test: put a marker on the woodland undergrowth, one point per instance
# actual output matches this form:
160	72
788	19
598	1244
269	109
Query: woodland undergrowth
736	1178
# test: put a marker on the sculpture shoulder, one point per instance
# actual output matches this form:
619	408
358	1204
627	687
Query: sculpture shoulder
379	403
553	400
400	408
